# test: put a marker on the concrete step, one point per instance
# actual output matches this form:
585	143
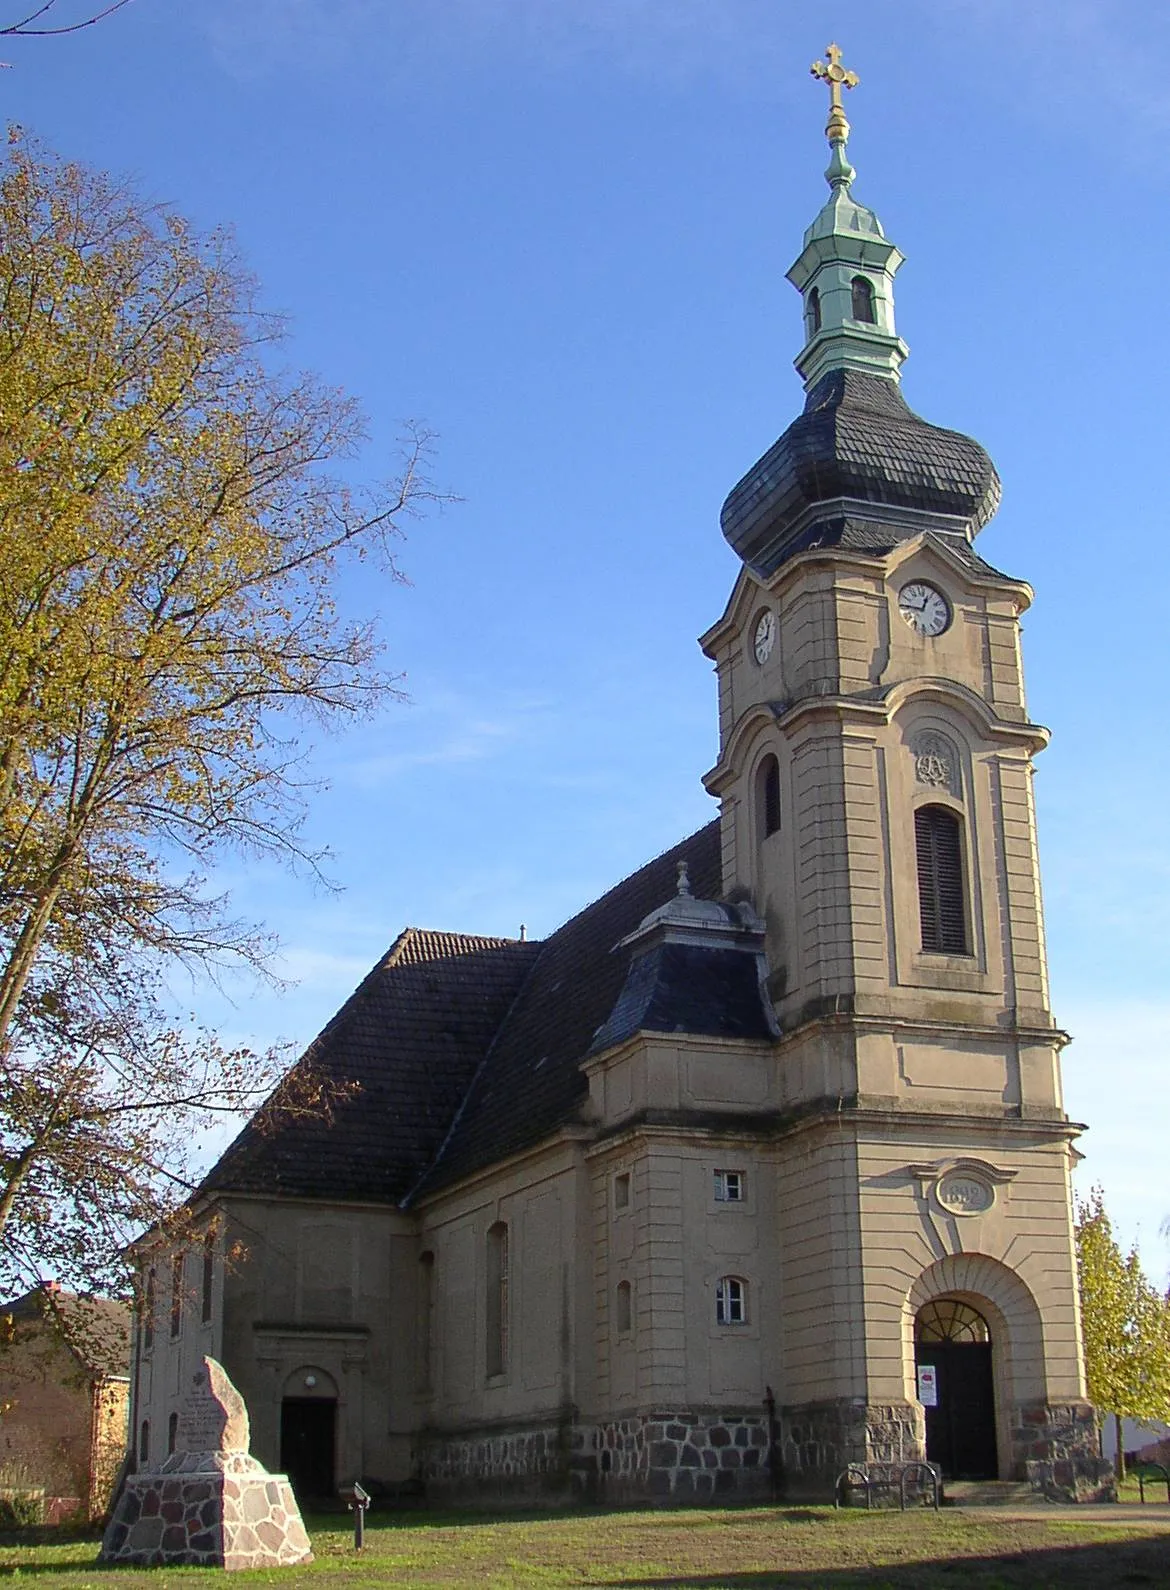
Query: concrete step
989	1493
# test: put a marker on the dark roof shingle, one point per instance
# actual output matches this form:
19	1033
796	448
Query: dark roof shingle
407	1043
465	1050
531	1081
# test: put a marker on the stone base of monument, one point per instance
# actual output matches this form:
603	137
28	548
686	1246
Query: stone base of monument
210	1504
210	1510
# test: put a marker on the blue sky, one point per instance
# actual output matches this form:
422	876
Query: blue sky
556	231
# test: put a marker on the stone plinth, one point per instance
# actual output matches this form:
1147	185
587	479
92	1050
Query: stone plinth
216	1508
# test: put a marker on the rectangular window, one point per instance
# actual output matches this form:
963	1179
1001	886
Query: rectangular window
176	1294
729	1186
621	1190
731	1301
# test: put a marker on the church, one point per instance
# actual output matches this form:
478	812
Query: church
758	1167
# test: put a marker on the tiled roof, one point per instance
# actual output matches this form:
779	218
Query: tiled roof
95	1329
531	1081
410	1038
857	440
465	1050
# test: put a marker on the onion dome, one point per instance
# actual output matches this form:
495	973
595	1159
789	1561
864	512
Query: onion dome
858	467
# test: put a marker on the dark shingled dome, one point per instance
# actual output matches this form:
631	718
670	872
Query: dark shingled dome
858	440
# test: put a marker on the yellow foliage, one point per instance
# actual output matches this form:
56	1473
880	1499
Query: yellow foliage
171	520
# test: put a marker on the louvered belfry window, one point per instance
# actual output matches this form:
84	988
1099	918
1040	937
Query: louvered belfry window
939	841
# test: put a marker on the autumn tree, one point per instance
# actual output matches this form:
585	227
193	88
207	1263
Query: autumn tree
1126	1325
173	515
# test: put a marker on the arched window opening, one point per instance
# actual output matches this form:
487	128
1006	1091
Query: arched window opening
208	1275
730	1300
144	1442
497	1299
172	1432
625	1311
176	1294
947	1320
942	909
814	312
149	1303
768	796
863	300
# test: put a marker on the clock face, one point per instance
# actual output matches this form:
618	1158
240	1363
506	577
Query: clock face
926	610
765	636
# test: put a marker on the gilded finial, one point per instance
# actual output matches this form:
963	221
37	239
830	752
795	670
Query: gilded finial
835	75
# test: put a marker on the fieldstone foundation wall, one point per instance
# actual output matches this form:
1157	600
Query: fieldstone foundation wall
230	1515
666	1456
519	1463
676	1457
1058	1448
820	1439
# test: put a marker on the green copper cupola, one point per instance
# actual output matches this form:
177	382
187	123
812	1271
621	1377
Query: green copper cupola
845	272
858	468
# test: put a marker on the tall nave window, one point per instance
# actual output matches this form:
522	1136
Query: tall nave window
497	1299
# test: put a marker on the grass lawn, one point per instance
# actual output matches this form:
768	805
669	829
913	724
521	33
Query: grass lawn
741	1549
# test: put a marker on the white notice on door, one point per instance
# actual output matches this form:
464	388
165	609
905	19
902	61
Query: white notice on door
928	1385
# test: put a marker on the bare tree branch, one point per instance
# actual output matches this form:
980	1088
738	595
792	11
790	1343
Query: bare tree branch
25	30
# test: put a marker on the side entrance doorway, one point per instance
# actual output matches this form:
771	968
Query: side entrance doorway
308	1437
953	1339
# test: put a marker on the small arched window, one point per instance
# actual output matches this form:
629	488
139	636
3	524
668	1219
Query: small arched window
731	1300
813	315
768	796
625	1310
172	1432
938	840
497	1299
863	300
144	1442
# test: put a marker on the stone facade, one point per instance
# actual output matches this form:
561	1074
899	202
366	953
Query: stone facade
677	1458
525	1463
1060	1449
730	1145
668	1457
823	1439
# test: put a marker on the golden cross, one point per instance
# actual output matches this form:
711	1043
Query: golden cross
837	128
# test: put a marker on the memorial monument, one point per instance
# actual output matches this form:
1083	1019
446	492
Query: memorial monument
209	1503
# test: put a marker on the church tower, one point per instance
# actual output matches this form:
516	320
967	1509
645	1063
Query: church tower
874	781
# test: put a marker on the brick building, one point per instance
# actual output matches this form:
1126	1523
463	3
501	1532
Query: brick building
64	1399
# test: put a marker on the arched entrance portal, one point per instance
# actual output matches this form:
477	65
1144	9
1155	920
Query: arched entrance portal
953	1339
308	1433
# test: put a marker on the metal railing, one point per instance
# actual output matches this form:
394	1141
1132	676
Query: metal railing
1161	1477
857	1475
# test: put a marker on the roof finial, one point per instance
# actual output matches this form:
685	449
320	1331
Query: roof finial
684	880
840	172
